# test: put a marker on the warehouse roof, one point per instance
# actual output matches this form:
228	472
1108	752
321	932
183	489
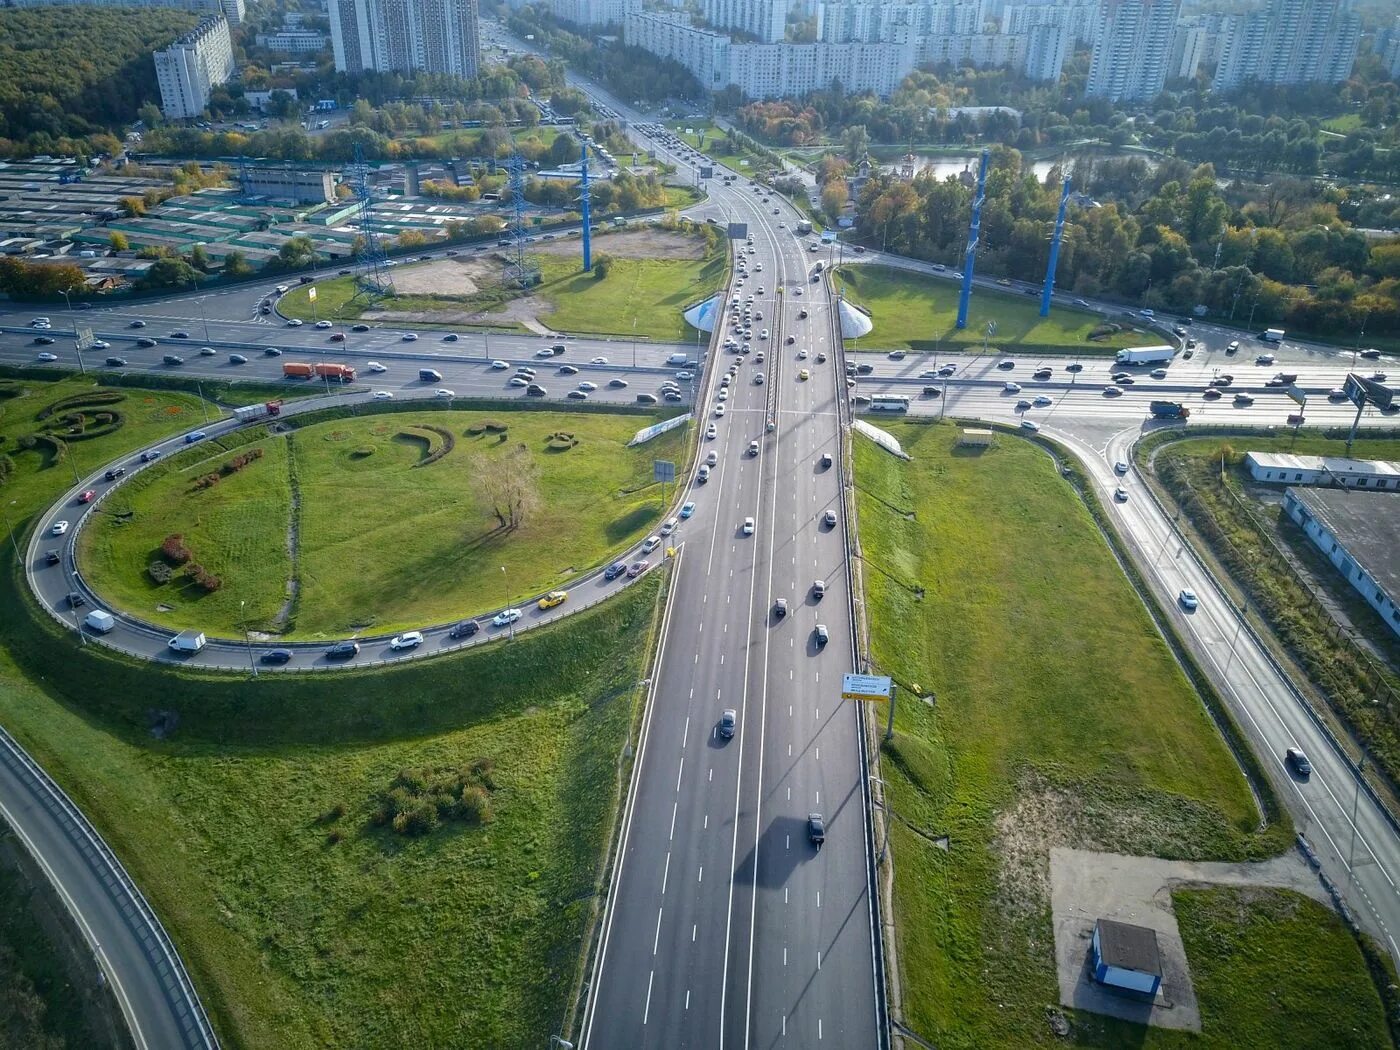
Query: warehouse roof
1367	524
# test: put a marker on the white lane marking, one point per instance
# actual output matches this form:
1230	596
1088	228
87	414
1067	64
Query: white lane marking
701	876
685	736
656	941
647	1011
819	960
687	998
819	898
664	876
674	806
679	772
785	955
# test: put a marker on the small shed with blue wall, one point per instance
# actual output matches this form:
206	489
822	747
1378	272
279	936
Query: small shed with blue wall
1125	956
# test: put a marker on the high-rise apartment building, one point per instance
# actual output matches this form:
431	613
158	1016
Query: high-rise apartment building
764	19
1047	47
1288	42
593	12
1188	48
1080	17
191	66
1132	49
405	36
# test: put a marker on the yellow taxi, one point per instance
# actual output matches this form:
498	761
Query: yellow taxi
553	598
804	374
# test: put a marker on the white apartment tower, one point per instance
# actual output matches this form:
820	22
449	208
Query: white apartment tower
1132	50
1047	47
1288	42
593	12
405	36
1188	48
765	19
188	68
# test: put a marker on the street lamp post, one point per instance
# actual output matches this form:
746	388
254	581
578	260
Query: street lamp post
505	583
247	638
11	530
77	343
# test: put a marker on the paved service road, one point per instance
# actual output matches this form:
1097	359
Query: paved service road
725	926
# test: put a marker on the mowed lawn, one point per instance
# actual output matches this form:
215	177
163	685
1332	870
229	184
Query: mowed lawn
1058	717
383	543
251	827
917	312
641	297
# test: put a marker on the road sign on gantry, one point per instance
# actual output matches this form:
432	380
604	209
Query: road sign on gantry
865	687
663	470
84	335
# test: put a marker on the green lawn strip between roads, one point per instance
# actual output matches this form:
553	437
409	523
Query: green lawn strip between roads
917	312
1239	529
1275	969
251	830
383	542
1060	718
650	292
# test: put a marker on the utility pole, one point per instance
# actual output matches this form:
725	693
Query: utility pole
889	726
247	638
9	527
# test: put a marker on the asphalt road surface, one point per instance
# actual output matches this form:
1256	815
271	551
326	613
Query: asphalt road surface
725	925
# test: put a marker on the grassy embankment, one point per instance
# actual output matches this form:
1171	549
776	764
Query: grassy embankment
1245	534
1059	718
644	297
251	824
913	311
384	541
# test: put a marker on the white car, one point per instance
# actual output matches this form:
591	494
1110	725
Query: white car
59	528
410	337
444	393
719	411
723	393
294	323
517	381
711	432
500	366
544	351
685	377
588	387
1030	424
763	334
650	544
323	324
669	526
1120	494
1121	467
375	366
802	355
598	361
758	379
505	616
383	395
1188	599
101	344
1012	388
748	526
407	640
46	356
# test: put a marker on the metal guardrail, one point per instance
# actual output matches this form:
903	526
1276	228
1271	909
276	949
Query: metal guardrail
99	856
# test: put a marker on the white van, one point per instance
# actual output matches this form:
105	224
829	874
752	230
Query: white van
99	621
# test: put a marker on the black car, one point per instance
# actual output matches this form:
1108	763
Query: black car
147	457
465	629
237	359
115	473
816	829
146	342
52	557
137	324
1074	366
337	337
345	273
802	314
179	335
450	337
44	340
1298	762
276	656
359	328
343	651
76	599
266	310
614	570
932	391
116	362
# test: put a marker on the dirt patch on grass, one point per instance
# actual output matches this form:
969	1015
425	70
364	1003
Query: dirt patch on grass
449	277
647	243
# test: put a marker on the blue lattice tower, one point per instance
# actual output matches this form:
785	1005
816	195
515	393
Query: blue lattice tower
585	209
1049	289
519	271
372	274
245	182
973	233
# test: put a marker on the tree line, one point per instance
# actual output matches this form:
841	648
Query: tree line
1174	238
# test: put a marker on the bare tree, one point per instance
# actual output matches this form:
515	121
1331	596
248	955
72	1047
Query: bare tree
510	486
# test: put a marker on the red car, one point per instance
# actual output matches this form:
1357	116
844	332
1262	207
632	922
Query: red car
88	496
637	568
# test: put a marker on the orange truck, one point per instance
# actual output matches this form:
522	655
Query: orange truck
340	373
293	370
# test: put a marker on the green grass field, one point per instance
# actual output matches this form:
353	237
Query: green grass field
383	543
642	297
917	312
249	825
1058	717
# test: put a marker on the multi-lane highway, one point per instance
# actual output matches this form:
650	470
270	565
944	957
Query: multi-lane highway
725	925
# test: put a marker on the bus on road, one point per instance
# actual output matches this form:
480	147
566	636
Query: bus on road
889	403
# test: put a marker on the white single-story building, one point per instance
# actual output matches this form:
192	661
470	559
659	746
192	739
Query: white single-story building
1359	533
1282	468
1126	956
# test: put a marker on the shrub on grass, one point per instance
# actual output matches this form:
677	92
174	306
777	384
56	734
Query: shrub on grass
159	572
174	549
363	451
420	800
